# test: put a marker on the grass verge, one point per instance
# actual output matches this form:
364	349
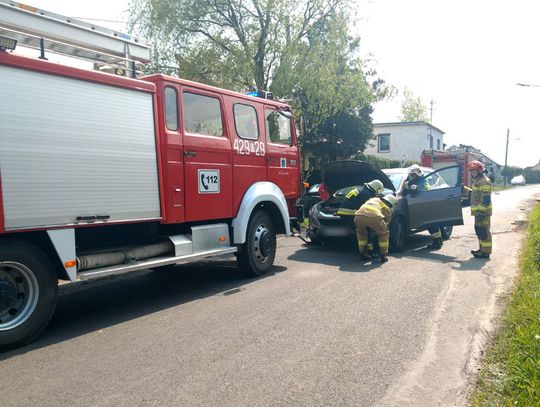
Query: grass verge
510	375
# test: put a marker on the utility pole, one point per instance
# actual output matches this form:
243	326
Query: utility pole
506	156
431	124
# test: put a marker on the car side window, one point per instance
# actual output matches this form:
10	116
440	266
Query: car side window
444	178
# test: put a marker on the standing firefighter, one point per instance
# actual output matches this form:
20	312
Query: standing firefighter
481	208
355	199
412	184
375	214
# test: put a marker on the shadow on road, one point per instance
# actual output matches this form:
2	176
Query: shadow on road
344	255
90	306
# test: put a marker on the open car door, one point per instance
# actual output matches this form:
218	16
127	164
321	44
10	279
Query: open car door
437	199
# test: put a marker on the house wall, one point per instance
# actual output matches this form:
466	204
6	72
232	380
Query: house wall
405	139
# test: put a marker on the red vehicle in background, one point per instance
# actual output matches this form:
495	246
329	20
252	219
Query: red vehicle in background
461	156
104	174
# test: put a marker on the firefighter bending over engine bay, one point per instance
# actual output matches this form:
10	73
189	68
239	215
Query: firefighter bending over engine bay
375	214
413	177
355	199
481	208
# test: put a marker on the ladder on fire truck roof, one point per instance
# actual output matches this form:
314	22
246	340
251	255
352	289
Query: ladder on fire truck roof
43	30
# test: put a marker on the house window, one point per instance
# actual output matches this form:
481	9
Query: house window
431	142
438	144
383	143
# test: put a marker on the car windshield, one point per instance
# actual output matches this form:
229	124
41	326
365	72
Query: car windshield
395	178
344	191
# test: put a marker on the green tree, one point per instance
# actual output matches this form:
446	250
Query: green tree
413	108
233	43
301	51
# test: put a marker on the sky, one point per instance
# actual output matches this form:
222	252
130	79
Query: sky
466	56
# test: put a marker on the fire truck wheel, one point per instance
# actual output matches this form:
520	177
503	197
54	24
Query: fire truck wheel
28	293
258	253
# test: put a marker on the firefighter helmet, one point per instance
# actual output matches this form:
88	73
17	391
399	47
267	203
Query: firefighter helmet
476	165
376	186
415	169
390	200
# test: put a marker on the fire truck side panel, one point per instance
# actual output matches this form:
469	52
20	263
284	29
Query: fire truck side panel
73	151
172	152
1	205
283	160
248	145
207	157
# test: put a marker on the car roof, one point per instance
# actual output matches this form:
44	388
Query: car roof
404	170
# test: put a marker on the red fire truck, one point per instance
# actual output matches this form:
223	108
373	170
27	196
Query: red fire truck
458	156
103	174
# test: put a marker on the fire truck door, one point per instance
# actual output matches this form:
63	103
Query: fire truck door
248	144
207	157
282	153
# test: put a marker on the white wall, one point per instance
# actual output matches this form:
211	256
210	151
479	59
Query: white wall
405	139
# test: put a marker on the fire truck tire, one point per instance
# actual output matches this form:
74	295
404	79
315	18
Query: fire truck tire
28	293
258	252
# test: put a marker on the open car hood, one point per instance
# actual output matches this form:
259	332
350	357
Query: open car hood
341	174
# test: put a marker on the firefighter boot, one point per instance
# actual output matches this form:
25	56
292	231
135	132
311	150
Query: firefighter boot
384	259
436	244
473	252
365	256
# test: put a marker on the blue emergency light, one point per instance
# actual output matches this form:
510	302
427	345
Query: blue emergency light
261	94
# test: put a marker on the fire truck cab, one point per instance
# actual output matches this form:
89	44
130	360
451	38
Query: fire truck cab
103	174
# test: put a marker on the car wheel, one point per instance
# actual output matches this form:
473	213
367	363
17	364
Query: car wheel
28	293
258	253
446	232
398	234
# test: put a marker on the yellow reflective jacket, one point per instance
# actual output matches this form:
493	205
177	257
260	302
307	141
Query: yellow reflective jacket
375	208
481	196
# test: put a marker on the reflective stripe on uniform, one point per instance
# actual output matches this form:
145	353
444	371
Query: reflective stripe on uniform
345	211
436	235
383	244
484	243
362	242
483	188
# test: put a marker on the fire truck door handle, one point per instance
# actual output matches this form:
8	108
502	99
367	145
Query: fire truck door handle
190	153
103	217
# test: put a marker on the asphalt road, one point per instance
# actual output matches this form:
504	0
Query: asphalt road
321	330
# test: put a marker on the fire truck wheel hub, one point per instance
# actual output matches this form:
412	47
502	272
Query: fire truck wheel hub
19	294
262	243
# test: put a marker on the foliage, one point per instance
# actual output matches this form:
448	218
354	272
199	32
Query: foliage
510	375
413	108
531	176
301	51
